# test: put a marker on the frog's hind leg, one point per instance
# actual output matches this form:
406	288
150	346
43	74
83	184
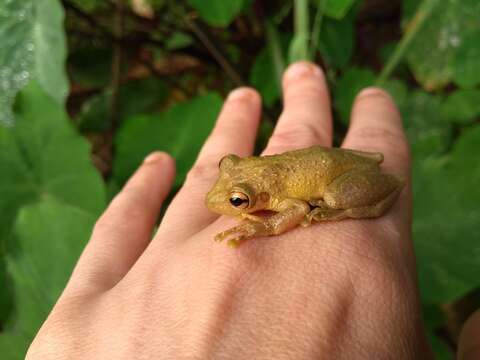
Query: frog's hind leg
357	194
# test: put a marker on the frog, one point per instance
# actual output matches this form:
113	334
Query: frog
300	187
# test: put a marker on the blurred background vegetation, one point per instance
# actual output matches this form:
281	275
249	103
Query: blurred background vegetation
89	87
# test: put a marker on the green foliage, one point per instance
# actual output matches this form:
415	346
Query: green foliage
352	81
336	41
262	77
13	346
180	131
337	8
42	157
447	46
178	40
95	112
50	196
446	217
39	281
427	131
217	12
33	46
462	106
466	69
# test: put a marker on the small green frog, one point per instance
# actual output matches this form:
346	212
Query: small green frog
301	187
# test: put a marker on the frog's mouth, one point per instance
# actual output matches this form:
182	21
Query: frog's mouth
264	213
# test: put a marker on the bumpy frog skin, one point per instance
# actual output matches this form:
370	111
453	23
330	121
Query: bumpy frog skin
301	187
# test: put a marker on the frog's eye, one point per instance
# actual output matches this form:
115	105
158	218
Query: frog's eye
239	200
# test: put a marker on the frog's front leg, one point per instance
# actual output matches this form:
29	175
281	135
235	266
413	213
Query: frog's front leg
290	214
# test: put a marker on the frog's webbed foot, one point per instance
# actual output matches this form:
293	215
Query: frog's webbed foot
320	212
242	232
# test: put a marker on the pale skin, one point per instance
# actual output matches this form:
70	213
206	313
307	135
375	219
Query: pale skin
334	290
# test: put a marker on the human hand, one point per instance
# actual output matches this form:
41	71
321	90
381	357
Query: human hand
343	290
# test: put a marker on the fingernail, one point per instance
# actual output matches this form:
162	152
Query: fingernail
240	93
154	157
374	91
302	69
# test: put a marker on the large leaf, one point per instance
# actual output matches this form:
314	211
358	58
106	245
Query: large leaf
447	220
217	12
352	81
466	68
33	45
426	128
446	45
265	74
52	193
337	40
179	131
41	157
13	346
43	231
335	8
462	106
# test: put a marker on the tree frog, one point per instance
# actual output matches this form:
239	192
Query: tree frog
300	187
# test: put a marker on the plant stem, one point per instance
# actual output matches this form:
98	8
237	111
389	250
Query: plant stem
317	26
423	12
301	30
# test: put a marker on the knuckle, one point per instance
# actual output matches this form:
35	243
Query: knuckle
305	92
304	131
204	171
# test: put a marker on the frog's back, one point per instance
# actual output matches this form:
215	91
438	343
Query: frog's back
305	173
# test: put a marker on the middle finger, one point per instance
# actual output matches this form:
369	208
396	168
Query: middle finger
306	119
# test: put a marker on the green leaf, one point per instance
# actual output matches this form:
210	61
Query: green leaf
351	82
440	349
466	68
462	106
179	131
266	72
178	40
427	131
95	114
42	156
337	8
13	346
217	12
263	77
33	46
446	220
443	41
44	231
336	41
397	89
